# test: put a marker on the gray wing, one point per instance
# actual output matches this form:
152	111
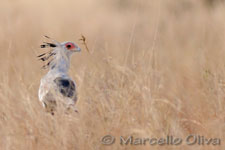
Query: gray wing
66	87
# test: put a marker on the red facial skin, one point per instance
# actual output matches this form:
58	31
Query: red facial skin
70	46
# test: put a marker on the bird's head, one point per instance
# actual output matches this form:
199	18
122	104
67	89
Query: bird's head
69	48
64	49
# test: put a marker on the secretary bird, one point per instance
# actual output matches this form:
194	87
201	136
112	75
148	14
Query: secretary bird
56	87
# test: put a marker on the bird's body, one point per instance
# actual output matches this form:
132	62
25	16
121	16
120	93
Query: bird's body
56	87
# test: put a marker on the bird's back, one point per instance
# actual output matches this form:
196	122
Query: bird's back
66	87
55	90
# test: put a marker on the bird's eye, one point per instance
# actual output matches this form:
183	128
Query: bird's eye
68	46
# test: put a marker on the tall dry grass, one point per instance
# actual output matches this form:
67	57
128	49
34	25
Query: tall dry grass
156	68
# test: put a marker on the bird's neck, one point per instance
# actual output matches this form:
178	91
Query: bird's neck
60	64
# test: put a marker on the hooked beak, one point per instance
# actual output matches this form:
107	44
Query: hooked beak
78	49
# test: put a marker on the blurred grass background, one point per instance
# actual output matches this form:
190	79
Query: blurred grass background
156	68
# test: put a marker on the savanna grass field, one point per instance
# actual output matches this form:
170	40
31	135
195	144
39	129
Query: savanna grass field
156	68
